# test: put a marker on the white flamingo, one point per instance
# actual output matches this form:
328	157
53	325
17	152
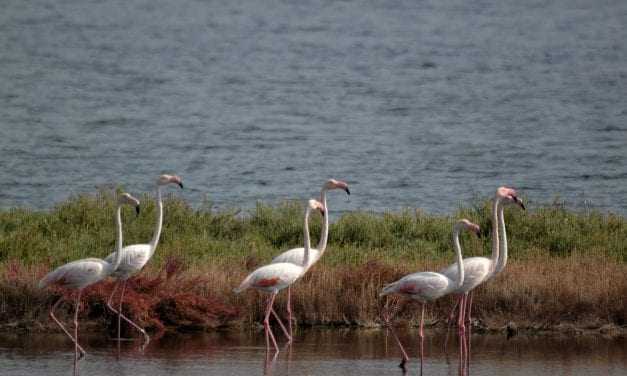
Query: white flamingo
429	286
478	270
273	278
136	256
79	274
296	255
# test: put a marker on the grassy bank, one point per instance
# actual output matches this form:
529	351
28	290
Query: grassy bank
565	267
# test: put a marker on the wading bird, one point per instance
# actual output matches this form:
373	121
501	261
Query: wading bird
273	278
480	269
136	256
79	274
296	255
429	286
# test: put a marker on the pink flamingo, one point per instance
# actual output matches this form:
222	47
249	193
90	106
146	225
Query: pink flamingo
136	256
79	274
296	255
478	270
429	286
273	278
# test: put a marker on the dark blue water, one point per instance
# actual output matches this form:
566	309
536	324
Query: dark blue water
415	103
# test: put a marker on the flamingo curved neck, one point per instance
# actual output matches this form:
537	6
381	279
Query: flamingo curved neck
503	242
495	234
307	244
158	226
324	234
118	249
460	263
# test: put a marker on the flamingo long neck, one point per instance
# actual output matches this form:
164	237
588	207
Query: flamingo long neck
495	234
307	244
159	225
460	262
118	248
324	235
503	243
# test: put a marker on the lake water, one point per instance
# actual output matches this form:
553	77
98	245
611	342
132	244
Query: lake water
415	103
315	352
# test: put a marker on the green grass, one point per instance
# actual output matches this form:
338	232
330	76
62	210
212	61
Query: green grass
84	226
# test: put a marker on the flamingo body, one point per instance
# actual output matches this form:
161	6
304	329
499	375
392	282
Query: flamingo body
476	271
272	277
134	258
423	286
78	274
296	256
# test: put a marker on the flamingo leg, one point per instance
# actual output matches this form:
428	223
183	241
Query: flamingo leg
266	324
76	352
469	332
54	307
289	310
276	316
422	337
462	330
121	316
451	318
405	358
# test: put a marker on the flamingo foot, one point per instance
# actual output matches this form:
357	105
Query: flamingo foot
402	365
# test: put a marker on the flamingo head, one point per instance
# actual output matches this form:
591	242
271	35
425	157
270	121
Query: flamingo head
472	227
127	199
508	195
315	204
170	179
336	184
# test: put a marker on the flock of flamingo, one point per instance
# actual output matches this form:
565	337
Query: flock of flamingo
459	278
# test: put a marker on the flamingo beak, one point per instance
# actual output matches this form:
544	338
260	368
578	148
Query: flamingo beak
519	202
180	184
348	192
137	211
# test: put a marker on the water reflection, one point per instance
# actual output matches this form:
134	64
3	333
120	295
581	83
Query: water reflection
315	352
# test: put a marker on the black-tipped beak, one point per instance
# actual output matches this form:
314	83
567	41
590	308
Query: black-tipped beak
180	185
520	203
137	210
478	233
347	191
322	212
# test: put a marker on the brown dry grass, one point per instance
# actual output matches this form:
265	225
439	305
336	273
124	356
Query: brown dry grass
536	292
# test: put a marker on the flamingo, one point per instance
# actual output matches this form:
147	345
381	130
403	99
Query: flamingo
429	286
79	274
273	278
296	255
136	256
480	269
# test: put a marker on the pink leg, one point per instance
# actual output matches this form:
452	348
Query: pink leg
121	315
422	337
76	358
289	310
266	324
54	307
469	321
289	338
405	358
451	318
462	331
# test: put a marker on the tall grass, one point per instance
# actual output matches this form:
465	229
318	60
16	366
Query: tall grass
564	265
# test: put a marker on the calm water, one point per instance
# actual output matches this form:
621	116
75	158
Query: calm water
315	352
415	103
